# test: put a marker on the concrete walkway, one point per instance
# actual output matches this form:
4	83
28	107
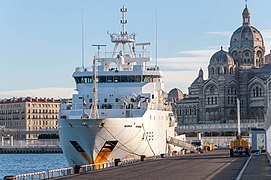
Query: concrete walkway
258	168
215	165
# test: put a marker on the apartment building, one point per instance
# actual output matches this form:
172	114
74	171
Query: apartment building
29	114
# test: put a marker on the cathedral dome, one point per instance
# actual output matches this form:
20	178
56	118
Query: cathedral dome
247	44
246	36
221	58
175	94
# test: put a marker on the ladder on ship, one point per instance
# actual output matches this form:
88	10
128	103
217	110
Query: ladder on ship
186	146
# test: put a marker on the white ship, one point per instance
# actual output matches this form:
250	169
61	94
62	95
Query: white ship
120	110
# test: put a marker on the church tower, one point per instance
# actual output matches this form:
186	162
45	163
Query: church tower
247	49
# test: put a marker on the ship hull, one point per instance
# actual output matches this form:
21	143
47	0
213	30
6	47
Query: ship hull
87	141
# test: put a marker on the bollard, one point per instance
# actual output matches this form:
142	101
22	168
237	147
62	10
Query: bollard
142	157
117	162
9	178
77	169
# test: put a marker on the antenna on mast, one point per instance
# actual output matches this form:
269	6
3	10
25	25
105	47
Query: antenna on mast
83	48
99	47
156	39
123	10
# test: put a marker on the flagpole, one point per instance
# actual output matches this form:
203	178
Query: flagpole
83	107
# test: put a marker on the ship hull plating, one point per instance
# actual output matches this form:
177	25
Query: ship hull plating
86	141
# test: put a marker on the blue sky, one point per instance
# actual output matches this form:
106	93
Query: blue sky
40	40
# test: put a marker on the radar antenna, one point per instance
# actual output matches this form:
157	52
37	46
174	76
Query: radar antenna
99	47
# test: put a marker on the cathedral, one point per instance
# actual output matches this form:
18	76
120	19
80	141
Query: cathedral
242	72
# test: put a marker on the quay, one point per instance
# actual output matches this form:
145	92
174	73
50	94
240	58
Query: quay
212	165
31	150
30	146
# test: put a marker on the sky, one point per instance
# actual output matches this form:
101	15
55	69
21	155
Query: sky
40	40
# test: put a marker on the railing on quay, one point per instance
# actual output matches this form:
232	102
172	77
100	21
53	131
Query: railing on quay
60	172
47	143
80	169
217	127
40	175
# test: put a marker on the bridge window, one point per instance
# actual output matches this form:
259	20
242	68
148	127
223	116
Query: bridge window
115	79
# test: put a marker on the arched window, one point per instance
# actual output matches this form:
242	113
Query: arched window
195	111
231	70
218	70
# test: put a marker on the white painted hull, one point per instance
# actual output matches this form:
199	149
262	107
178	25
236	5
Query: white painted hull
134	136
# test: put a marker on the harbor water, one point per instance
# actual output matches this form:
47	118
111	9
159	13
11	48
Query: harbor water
14	164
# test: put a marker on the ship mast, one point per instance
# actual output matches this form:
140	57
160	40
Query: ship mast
123	37
123	10
94	105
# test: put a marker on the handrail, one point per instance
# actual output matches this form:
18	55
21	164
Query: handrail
61	172
50	174
42	175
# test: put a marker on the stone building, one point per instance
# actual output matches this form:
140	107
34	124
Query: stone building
242	72
29	114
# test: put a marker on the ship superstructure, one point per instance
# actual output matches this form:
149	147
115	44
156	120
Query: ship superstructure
120	110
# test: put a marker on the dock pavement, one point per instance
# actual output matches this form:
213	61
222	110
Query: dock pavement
217	165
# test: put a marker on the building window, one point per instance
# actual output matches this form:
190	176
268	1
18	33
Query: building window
231	70
257	92
195	111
